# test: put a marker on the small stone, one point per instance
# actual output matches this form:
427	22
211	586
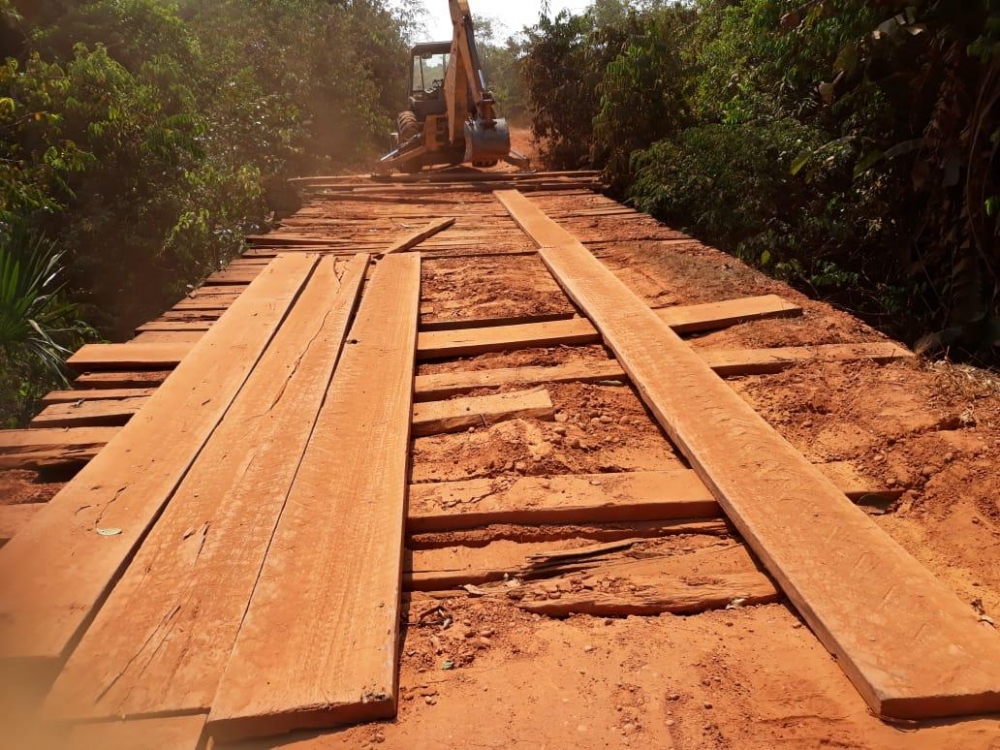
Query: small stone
380	738
670	722
607	620
559	429
575	443
628	729
706	704
581	728
470	633
674	697
605	419
976	521
588	648
949	457
561	417
927	471
429	700
595	422
486	632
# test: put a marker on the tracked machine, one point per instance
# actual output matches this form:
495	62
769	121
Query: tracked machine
452	116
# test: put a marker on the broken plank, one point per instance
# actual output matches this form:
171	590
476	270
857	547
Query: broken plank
318	644
15	517
97	394
436	417
715	315
685	595
139	379
84	413
415	238
201	581
911	647
465	342
129	356
170	733
57	570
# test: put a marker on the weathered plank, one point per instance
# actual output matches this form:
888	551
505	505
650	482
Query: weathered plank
454	324
318	644
171	733
725	362
911	647
686	595
436	417
52	447
197	568
167	337
585	498
128	356
96	394
136	379
15	517
466	342
581	498
57	570
413	239
174	325
714	315
89	413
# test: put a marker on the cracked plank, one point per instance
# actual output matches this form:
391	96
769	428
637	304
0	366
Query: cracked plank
318	645
197	568
55	572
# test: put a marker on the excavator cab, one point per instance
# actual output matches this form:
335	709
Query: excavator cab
451	117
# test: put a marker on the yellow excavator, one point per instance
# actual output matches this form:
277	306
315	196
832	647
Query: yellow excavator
452	115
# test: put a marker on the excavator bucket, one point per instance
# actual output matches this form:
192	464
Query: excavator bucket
486	143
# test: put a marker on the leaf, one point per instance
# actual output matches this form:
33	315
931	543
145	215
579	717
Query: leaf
867	161
800	161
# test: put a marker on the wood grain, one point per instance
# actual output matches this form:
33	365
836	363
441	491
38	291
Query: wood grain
436	417
318	644
57	570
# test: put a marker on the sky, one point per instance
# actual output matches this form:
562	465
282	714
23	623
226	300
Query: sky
512	15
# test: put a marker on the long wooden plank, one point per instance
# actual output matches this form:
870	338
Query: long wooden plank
174	325
911	647
57	570
13	518
714	315
585	498
197	569
136	356
466	342
318	644
122	379
725	362
413	239
166	337
171	733
436	417
101	412
580	498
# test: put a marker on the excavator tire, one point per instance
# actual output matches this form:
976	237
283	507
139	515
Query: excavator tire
407	125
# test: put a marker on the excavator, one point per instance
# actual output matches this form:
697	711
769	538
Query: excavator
452	116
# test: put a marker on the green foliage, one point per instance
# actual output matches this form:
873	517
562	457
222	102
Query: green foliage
146	137
849	147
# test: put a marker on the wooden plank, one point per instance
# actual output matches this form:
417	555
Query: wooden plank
174	325
466	342
683	596
725	362
731	363
171	733
584	498
455	324
97	394
415	238
138	379
912	648
137	356
166	337
436	417
52	447
714	315
318	644
580	498
84	413
57	570
15	517
446	384
197	568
